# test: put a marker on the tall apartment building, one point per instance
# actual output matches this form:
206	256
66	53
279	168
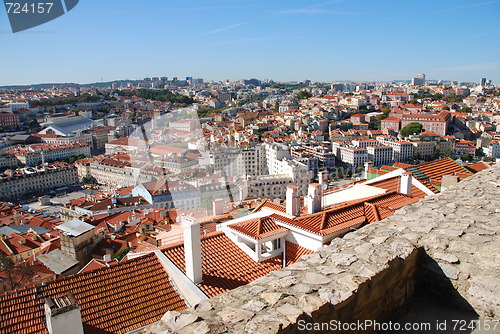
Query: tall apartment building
379	155
8	160
419	80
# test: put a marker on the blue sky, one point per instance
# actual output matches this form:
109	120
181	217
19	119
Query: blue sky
235	39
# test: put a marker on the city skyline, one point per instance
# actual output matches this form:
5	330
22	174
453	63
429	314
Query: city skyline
284	41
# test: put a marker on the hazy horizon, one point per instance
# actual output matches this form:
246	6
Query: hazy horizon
285	41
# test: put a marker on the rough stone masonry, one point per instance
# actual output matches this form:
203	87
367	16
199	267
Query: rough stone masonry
450	241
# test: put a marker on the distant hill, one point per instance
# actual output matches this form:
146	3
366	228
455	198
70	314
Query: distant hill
68	85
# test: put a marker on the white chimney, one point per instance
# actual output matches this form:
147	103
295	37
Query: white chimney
192	249
323	179
405	185
368	165
314	198
218	206
62	315
292	201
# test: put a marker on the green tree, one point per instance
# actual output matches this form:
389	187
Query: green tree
303	94
385	113
467	157
411	129
345	126
448	153
121	254
162	95
454	98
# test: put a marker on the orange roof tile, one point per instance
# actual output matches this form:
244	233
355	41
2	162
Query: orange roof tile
401	165
436	169
294	252
392	184
259	228
274	206
225	265
478	166
117	299
350	213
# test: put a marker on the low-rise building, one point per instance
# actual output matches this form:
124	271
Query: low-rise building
8	120
31	155
15	184
170	194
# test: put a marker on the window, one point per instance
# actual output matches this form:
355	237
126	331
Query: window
276	244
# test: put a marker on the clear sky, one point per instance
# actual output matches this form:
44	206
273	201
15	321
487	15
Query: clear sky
288	40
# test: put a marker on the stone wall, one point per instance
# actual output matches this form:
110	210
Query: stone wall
447	243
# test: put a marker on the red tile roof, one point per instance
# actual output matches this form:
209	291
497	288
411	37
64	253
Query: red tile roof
351	213
274	206
391	119
388	168
98	264
429	134
118	299
225	265
259	228
294	252
478	166
401	165
392	184
436	169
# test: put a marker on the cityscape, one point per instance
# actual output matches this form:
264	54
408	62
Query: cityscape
147	172
317	168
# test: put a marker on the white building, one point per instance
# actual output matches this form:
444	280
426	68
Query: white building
354	157
380	155
492	151
15	106
401	150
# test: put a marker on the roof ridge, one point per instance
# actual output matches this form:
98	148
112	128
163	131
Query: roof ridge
260	225
260	205
323	221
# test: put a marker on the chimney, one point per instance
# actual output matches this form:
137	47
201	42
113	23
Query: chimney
292	201
323	179
448	181
314	198
368	165
405	184
63	315
218	206
192	249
